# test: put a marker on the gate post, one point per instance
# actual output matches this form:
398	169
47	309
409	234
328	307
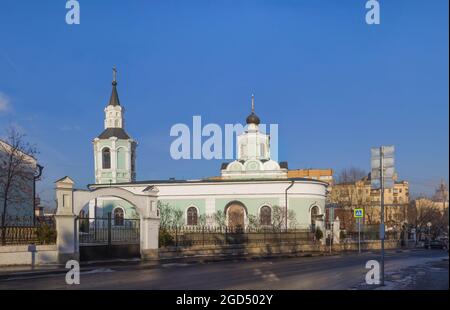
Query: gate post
66	225
150	229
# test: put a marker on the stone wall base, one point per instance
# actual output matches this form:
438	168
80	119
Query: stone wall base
268	249
63	258
30	255
150	254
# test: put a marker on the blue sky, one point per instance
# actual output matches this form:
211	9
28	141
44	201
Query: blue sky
335	85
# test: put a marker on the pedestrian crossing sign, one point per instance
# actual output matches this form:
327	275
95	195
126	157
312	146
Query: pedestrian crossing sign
358	213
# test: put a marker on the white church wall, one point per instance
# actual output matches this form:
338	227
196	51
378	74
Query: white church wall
209	197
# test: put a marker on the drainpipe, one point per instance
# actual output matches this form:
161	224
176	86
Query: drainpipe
286	202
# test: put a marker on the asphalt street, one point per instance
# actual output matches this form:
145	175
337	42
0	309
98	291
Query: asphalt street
410	269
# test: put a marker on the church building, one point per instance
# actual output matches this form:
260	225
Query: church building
251	186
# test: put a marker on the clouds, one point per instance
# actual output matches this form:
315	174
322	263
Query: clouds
5	103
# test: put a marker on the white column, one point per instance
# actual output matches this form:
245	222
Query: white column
210	209
67	237
113	160
336	230
149	230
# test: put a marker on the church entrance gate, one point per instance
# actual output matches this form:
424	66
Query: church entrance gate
108	237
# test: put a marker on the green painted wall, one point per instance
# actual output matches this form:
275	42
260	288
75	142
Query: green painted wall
121	153
110	205
252	204
183	204
301	206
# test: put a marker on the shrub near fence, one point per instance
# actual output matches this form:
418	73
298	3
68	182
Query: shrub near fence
186	236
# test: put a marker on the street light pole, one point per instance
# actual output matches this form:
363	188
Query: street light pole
359	235
382	230
331	221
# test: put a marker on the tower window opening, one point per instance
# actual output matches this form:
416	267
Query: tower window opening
106	158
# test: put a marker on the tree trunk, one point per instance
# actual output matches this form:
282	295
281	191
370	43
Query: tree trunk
4	219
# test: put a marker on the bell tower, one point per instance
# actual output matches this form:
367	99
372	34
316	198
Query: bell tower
114	149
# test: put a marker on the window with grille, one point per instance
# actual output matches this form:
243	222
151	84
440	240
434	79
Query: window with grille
265	215
192	216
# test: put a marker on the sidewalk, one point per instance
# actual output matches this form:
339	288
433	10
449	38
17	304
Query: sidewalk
429	276
14	272
10	272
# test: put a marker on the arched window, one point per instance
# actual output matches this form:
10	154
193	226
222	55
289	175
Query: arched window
121	158
314	214
236	214
265	216
106	158
118	217
192	216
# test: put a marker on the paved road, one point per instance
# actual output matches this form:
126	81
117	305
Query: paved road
329	272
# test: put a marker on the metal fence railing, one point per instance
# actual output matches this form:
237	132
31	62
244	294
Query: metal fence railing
204	235
42	231
108	230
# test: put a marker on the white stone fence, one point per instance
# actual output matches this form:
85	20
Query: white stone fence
30	255
70	202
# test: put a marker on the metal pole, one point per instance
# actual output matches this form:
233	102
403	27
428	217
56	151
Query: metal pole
331	237
286	203
95	219
359	235
382	212
34	201
109	228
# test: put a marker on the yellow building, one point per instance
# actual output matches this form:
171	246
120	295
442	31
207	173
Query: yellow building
325	175
425	203
359	194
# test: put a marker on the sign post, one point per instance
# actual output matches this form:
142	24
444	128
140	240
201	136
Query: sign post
359	214
331	221
382	176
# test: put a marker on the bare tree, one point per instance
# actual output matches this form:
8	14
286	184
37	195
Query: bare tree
350	175
278	217
350	193
347	197
220	219
165	214
254	222
422	211
169	216
16	171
